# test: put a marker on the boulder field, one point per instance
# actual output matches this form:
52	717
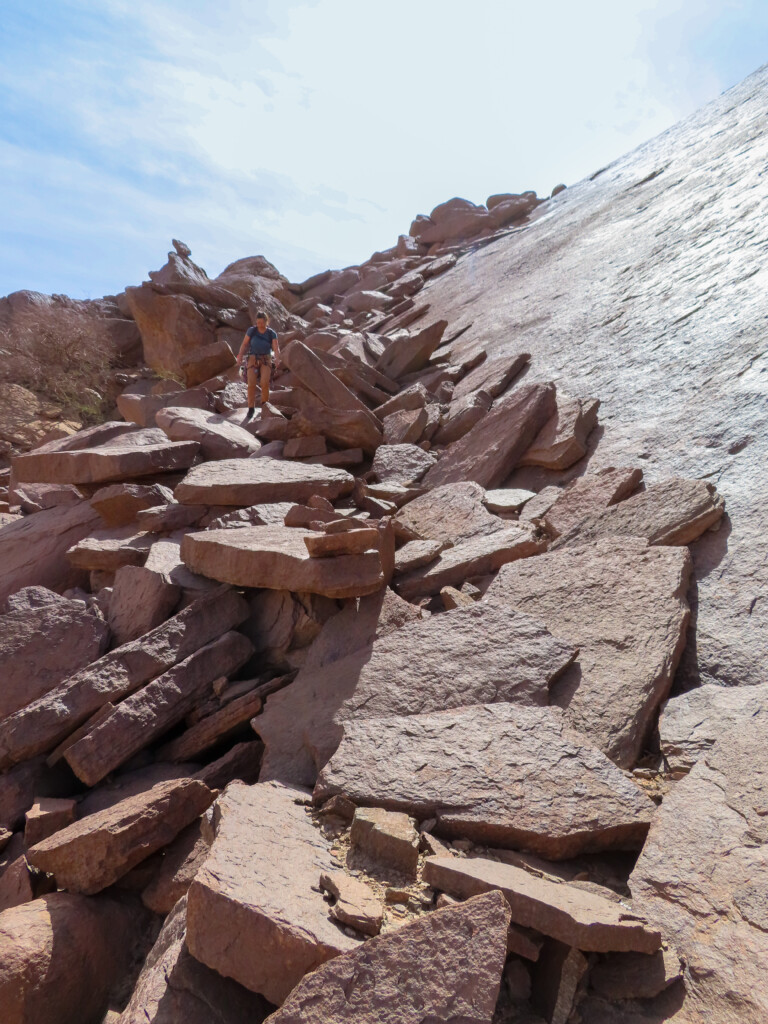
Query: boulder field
436	691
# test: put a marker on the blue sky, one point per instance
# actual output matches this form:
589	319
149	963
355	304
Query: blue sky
313	131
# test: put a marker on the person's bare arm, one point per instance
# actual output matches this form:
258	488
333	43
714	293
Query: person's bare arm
243	347
276	350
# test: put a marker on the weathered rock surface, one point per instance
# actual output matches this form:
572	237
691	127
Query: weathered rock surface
388	837
507	500
118	504
623	605
44	643
108	550
251	481
669	512
494	446
562	441
253	910
702	876
564	912
218	438
94	852
46	816
635	975
477	556
691	723
106	463
492	375
416	554
463	414
497	773
355	905
401	463
174	987
210	729
452	513
32	548
589	495
41	725
16	883
445	967
277	558
140	600
61	956
407	354
178	864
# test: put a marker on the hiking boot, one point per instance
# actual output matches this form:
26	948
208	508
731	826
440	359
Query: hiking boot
249	414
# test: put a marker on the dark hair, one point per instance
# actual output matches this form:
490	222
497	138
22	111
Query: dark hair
261	315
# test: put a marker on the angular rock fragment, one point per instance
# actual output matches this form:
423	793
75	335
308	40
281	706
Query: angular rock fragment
623	604
404	427
93	853
492	375
259	884
671	512
317	378
416	554
42	724
413	397
348	542
401	463
242	762
173	987
152	710
211	729
108	550
534	510
160	518
508	500
118	504
272	514
570	915
20	785
355	905
106	463
277	558
389	837
556	978
477	556
42	644
16	882
251	481
142	409
179	863
635	975
562	441
589	495
450	514
444	967
345	428
691	723
409	353
61	957
305	447
218	438
46	816
494	446
141	600
702	876
463	414
494	773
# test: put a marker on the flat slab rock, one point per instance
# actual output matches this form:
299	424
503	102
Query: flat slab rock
218	438
31	666
276	557
477	556
670	512
589	495
401	463
451	514
562	441
251	481
444	967
691	723
173	987
571	915
93	853
106	463
426	665
623	604
702	876
494	773
254	913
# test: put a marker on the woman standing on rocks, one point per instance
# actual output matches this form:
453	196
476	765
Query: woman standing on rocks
259	344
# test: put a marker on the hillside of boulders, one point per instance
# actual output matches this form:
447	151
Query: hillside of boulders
426	694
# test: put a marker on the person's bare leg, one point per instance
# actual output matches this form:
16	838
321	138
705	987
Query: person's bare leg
266	373
251	391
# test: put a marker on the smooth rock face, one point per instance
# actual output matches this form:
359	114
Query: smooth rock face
60	957
564	912
173	987
41	725
32	548
691	724
248	482
93	853
497	773
670	512
451	514
588	495
477	556
277	558
445	967
494	447
702	877
623	605
257	886
218	438
42	645
681	381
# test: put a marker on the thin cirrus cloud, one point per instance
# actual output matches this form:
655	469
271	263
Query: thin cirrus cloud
312	131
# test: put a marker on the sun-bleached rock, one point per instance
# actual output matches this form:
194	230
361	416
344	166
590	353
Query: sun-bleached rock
623	604
260	883
217	436
253	481
444	967
106	463
503	774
